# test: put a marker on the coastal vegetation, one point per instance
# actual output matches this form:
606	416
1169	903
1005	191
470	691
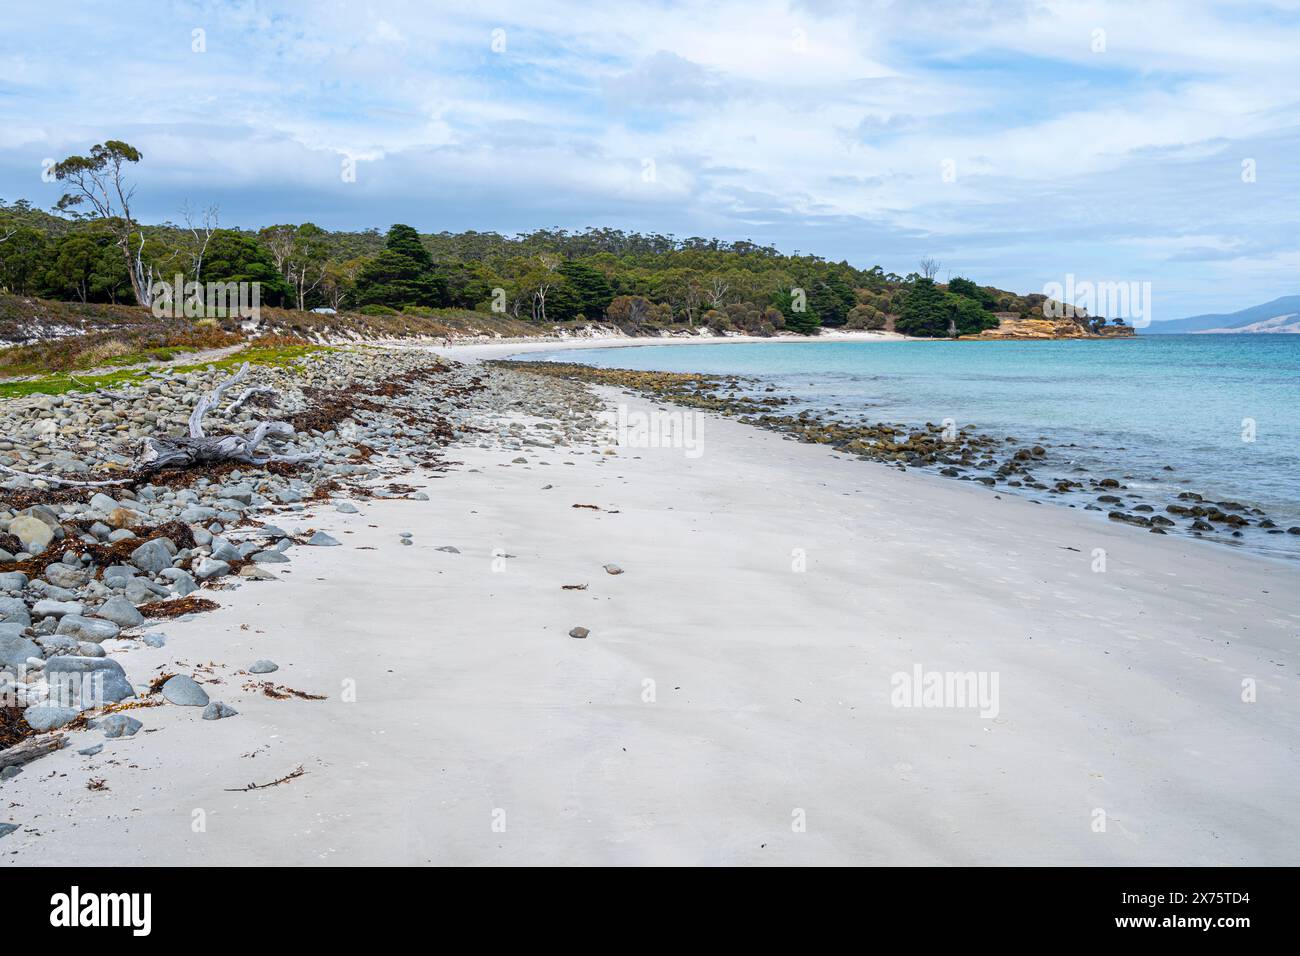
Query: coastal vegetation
92	251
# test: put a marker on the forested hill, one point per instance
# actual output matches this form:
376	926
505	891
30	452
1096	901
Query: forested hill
634	280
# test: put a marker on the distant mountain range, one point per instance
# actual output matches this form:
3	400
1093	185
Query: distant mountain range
1280	315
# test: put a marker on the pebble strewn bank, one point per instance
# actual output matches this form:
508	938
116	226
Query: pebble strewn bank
87	572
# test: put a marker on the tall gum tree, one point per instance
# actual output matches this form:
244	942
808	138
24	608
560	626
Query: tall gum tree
98	181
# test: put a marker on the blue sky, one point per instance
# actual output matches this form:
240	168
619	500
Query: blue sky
1103	140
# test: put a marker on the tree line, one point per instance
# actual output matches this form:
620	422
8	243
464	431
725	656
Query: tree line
91	248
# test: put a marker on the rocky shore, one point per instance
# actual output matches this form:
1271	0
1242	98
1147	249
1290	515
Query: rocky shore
98	554
962	453
470	626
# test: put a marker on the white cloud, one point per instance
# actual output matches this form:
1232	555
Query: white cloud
815	123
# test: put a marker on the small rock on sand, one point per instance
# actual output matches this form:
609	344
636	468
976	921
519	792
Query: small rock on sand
579	632
613	569
263	667
218	710
119	725
321	540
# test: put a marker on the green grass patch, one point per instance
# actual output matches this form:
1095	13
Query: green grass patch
144	356
275	356
63	382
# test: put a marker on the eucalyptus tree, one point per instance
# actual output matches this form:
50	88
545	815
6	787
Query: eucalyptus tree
100	191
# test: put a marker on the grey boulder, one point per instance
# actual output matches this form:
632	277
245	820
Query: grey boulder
209	568
185	692
152	556
15	650
121	612
217	710
13	581
119	725
65	575
47	607
87	628
49	716
182	581
87	681
14	611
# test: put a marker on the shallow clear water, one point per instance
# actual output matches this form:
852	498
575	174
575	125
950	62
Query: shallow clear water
1131	406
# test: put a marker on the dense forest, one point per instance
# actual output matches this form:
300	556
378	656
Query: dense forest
91	249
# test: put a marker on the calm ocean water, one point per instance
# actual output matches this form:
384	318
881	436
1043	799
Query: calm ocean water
1131	407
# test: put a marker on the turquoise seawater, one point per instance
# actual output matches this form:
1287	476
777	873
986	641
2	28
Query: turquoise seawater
1222	410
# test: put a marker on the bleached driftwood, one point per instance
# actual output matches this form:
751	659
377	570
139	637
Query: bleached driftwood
29	750
199	449
246	394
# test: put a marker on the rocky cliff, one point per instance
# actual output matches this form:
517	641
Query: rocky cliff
1014	327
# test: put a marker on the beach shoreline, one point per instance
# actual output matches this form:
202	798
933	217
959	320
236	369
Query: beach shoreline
735	699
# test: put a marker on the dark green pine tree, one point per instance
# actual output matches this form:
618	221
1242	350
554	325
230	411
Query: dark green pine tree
401	275
798	312
587	292
924	313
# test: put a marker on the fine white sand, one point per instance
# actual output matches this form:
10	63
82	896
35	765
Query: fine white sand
482	733
477	350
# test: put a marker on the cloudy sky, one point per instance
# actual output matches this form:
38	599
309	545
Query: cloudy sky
1016	142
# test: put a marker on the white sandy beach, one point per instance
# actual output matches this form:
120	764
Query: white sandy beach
481	733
